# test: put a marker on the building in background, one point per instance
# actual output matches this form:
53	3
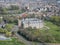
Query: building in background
31	22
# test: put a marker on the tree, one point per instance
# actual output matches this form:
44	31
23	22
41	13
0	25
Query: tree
3	10
8	34
3	30
14	7
56	19
1	20
11	19
9	27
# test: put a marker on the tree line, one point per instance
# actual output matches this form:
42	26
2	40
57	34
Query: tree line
4	10
55	20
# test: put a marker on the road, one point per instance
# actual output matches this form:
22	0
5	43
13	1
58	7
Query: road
22	39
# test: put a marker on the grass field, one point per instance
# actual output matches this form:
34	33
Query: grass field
54	30
13	42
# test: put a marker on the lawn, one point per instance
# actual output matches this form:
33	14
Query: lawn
13	42
54	30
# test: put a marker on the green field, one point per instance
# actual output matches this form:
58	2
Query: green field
13	42
54	30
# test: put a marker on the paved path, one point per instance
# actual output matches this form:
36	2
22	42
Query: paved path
22	39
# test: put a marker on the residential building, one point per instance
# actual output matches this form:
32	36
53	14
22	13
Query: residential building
31	22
